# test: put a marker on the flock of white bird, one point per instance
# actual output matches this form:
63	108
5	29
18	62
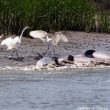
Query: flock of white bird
53	41
14	43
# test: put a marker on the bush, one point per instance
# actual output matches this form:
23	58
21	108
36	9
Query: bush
49	15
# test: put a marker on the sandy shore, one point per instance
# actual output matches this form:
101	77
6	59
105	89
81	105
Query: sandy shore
78	43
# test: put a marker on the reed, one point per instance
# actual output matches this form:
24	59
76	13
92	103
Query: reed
52	15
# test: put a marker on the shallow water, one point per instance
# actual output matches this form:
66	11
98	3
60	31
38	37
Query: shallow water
74	90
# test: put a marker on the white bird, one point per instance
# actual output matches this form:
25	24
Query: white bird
46	61
57	37
102	55
14	43
97	54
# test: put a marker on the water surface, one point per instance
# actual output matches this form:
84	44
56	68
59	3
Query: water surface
72	90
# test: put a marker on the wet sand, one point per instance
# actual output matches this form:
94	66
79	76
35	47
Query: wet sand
78	43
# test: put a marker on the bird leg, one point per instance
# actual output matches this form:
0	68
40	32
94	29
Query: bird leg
17	54
39	55
47	49
54	51
12	54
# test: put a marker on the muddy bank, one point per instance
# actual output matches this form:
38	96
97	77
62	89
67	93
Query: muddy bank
78	43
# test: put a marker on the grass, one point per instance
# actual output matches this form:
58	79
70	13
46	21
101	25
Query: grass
52	15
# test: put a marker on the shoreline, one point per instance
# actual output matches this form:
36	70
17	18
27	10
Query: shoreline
55	72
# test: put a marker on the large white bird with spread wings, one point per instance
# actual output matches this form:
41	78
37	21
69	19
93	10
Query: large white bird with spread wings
14	43
57	37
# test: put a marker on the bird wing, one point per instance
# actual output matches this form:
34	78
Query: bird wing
17	42
8	42
44	61
59	36
17	39
39	34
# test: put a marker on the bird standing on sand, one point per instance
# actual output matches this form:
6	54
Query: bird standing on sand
53	41
14	43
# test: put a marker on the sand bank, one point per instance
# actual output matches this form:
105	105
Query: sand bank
78	43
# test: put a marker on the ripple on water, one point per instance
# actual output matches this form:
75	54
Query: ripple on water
62	90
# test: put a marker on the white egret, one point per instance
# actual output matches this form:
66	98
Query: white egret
57	37
54	62
44	61
14	43
47	61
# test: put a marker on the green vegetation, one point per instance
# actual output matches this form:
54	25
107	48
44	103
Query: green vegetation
52	15
103	4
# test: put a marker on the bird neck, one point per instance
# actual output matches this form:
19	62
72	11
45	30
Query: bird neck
22	33
48	39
